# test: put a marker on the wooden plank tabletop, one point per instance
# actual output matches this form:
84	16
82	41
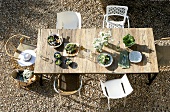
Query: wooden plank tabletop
85	61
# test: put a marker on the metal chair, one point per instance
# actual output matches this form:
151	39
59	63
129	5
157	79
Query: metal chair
16	45
68	84
116	11
68	20
116	88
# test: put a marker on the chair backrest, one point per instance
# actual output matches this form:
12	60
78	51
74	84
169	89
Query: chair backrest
20	38
104	89
67	84
126	84
115	10
116	88
68	20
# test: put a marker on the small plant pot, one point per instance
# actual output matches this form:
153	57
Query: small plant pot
58	62
68	61
57	55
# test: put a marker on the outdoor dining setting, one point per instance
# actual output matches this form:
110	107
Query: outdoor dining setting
68	66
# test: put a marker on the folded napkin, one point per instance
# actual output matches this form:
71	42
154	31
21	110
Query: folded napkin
124	59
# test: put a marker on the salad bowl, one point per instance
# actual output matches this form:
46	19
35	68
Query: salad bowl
105	59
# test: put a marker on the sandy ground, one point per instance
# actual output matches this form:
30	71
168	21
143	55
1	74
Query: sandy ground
27	16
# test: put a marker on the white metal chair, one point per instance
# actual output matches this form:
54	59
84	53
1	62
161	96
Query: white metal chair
114	10
116	88
68	84
68	20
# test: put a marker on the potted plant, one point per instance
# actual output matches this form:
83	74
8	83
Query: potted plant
54	40
105	37
128	40
57	55
58	61
102	40
68	61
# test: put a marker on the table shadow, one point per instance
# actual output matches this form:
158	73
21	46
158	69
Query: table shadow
141	48
61	48
143	62
63	65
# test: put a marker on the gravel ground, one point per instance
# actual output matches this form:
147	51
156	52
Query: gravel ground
27	16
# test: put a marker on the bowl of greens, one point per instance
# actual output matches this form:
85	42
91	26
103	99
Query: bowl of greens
105	59
71	49
55	40
128	40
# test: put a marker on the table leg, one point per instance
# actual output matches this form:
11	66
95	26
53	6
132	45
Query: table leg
151	78
41	84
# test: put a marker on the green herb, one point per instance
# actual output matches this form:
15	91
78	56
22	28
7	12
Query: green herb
57	55
128	40
104	59
71	48
68	61
58	62
54	40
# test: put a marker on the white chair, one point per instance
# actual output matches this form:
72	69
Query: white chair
68	20
114	10
116	88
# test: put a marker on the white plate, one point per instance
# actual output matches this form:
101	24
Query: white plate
135	56
111	60
27	63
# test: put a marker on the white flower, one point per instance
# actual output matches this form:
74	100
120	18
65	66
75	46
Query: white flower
102	40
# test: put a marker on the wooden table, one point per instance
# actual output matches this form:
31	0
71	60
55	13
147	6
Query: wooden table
85	63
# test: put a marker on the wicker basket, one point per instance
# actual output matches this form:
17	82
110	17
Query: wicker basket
14	75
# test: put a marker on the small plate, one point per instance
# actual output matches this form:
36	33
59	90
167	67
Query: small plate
135	56
111	59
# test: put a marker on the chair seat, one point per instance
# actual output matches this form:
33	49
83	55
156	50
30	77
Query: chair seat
114	89
69	82
68	20
117	22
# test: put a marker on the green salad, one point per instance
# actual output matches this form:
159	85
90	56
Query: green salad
71	48
128	40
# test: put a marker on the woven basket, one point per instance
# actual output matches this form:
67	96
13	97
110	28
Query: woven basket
14	75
